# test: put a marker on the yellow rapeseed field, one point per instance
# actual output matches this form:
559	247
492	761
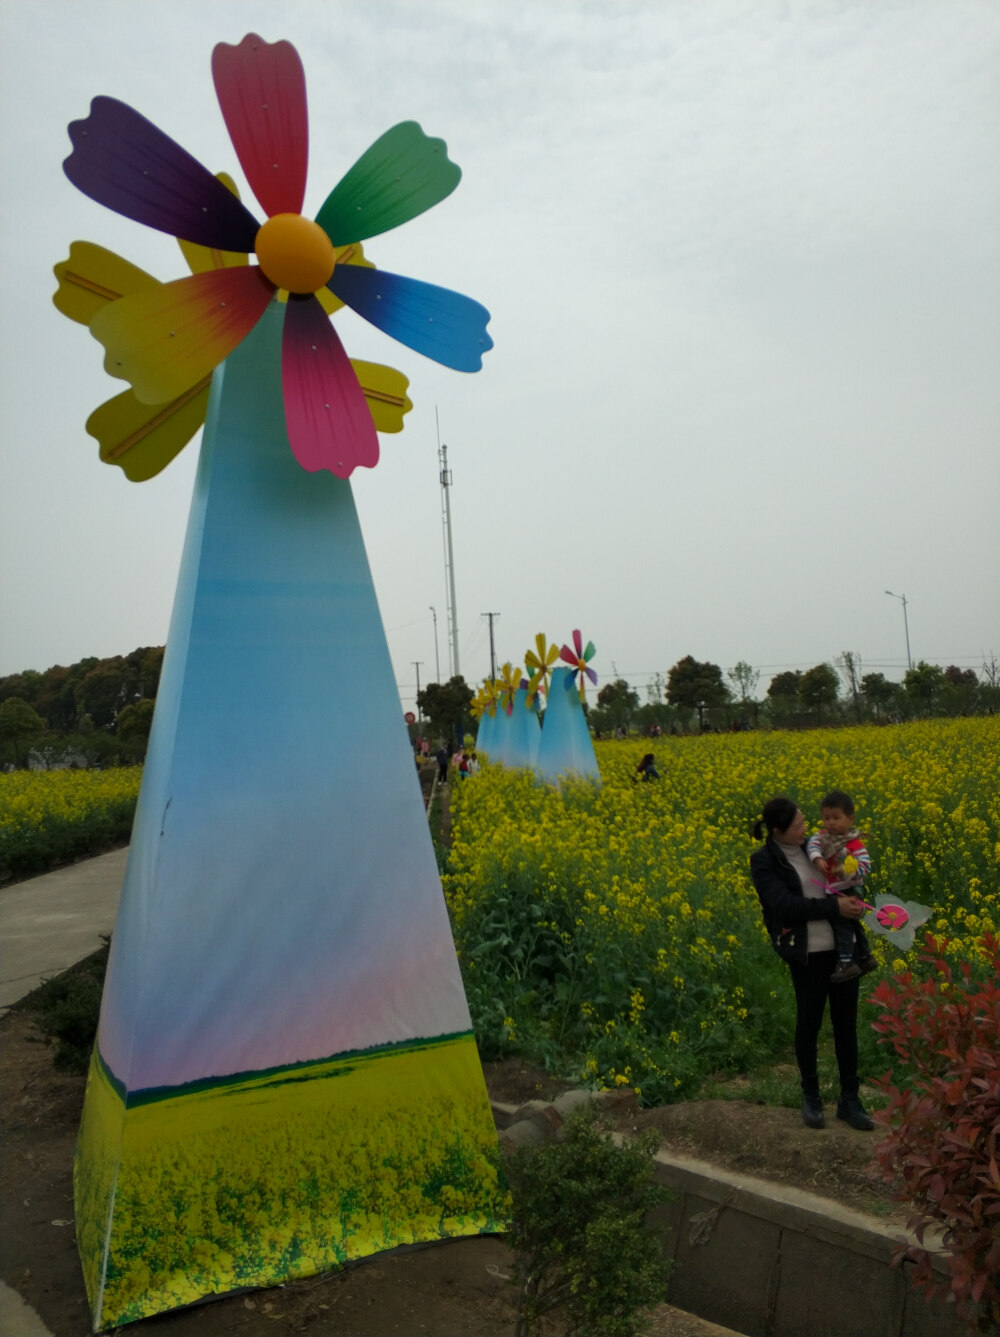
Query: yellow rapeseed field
620	927
49	817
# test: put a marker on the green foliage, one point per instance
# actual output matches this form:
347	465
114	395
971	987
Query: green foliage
696	686
943	1141
66	1010
19	727
877	691
923	684
617	703
785	685
446	705
581	1235
819	688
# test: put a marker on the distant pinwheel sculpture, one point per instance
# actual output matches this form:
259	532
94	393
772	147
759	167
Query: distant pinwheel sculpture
539	663
166	338
510	681
579	659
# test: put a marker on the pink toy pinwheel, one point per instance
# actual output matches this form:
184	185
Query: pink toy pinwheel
897	920
168	337
579	658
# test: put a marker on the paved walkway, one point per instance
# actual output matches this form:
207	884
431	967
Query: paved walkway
50	922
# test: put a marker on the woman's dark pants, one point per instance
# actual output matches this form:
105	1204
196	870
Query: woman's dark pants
812	989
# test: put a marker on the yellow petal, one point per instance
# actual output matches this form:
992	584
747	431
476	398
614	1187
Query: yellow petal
141	438
92	277
385	391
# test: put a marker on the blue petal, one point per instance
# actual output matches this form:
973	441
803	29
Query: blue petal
437	322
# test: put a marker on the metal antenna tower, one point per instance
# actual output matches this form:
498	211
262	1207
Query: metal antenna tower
449	554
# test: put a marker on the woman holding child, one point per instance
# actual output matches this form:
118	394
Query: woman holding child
799	915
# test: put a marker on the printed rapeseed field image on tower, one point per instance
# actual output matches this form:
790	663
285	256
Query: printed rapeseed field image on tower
285	1076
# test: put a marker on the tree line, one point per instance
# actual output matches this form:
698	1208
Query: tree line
95	712
699	695
99	711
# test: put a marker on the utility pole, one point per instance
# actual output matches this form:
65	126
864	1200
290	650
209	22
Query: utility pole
906	625
417	664
437	657
449	555
493	654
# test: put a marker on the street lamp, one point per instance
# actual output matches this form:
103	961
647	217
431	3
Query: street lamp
437	658
906	625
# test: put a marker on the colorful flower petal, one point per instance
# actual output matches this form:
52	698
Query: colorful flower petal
261	88
142	439
200	259
167	338
441	324
329	424
385	390
403	174
124	162
92	277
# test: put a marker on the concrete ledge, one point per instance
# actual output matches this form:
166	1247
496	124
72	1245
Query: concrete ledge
774	1261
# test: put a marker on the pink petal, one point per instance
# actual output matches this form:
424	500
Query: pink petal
578	642
328	419
261	89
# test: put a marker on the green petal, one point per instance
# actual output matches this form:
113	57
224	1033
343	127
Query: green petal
403	174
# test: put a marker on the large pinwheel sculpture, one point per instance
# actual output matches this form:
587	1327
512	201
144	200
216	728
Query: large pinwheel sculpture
539	663
579	658
323	947
142	439
166	338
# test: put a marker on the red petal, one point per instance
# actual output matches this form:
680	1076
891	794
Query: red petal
328	419
261	88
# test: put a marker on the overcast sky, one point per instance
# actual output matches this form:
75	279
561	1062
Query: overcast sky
743	263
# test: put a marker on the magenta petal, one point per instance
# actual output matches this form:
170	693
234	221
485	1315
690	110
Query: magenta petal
328	419
124	162
261	88
578	642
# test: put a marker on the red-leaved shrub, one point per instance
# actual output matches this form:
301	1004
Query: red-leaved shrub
942	1145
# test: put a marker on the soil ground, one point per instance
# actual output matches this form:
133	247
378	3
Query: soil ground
459	1288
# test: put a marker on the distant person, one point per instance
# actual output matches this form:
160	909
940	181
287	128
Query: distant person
839	853
442	759
799	917
646	770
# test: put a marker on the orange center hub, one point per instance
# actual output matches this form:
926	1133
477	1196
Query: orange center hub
295	253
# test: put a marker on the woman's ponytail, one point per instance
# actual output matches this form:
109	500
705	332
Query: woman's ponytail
778	815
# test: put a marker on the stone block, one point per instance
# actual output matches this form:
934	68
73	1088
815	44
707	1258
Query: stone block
825	1289
723	1265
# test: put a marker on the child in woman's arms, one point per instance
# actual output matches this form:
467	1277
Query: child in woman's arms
839	853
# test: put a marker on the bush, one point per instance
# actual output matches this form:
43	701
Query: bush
580	1234
66	1010
943	1143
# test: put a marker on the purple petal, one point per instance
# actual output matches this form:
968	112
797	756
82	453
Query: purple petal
124	162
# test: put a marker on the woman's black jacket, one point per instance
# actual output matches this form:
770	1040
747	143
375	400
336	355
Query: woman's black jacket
780	893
